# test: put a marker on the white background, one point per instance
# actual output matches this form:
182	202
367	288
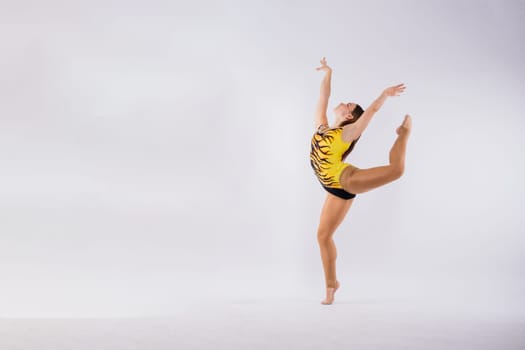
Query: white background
156	153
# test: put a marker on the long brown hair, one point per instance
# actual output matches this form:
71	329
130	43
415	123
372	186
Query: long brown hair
356	114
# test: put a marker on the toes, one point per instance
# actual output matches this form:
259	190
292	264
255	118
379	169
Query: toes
408	121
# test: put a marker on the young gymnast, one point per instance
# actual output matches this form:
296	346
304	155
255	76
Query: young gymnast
330	146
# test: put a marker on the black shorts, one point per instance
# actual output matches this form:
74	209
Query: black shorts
339	192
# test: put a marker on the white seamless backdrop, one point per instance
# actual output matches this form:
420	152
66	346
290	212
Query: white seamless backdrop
154	153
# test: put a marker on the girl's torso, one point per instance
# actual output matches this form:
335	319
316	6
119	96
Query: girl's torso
327	153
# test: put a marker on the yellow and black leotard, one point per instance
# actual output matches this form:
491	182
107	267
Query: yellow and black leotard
328	150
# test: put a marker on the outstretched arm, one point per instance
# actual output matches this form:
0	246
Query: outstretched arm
322	104
360	125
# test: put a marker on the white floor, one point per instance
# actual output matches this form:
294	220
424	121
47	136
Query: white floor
358	323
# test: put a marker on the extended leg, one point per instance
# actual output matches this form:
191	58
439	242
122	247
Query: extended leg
363	180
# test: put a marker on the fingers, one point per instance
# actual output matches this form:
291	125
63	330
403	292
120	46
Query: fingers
395	90
323	65
398	89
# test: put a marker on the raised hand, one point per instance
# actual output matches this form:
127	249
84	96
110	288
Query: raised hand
324	66
395	90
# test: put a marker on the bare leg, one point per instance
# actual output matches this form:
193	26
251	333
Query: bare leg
363	180
333	213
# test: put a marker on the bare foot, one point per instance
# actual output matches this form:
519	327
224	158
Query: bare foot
330	294
406	126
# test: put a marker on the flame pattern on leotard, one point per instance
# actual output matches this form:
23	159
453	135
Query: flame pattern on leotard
326	156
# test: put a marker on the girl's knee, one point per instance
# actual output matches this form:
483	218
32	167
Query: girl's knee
324	236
